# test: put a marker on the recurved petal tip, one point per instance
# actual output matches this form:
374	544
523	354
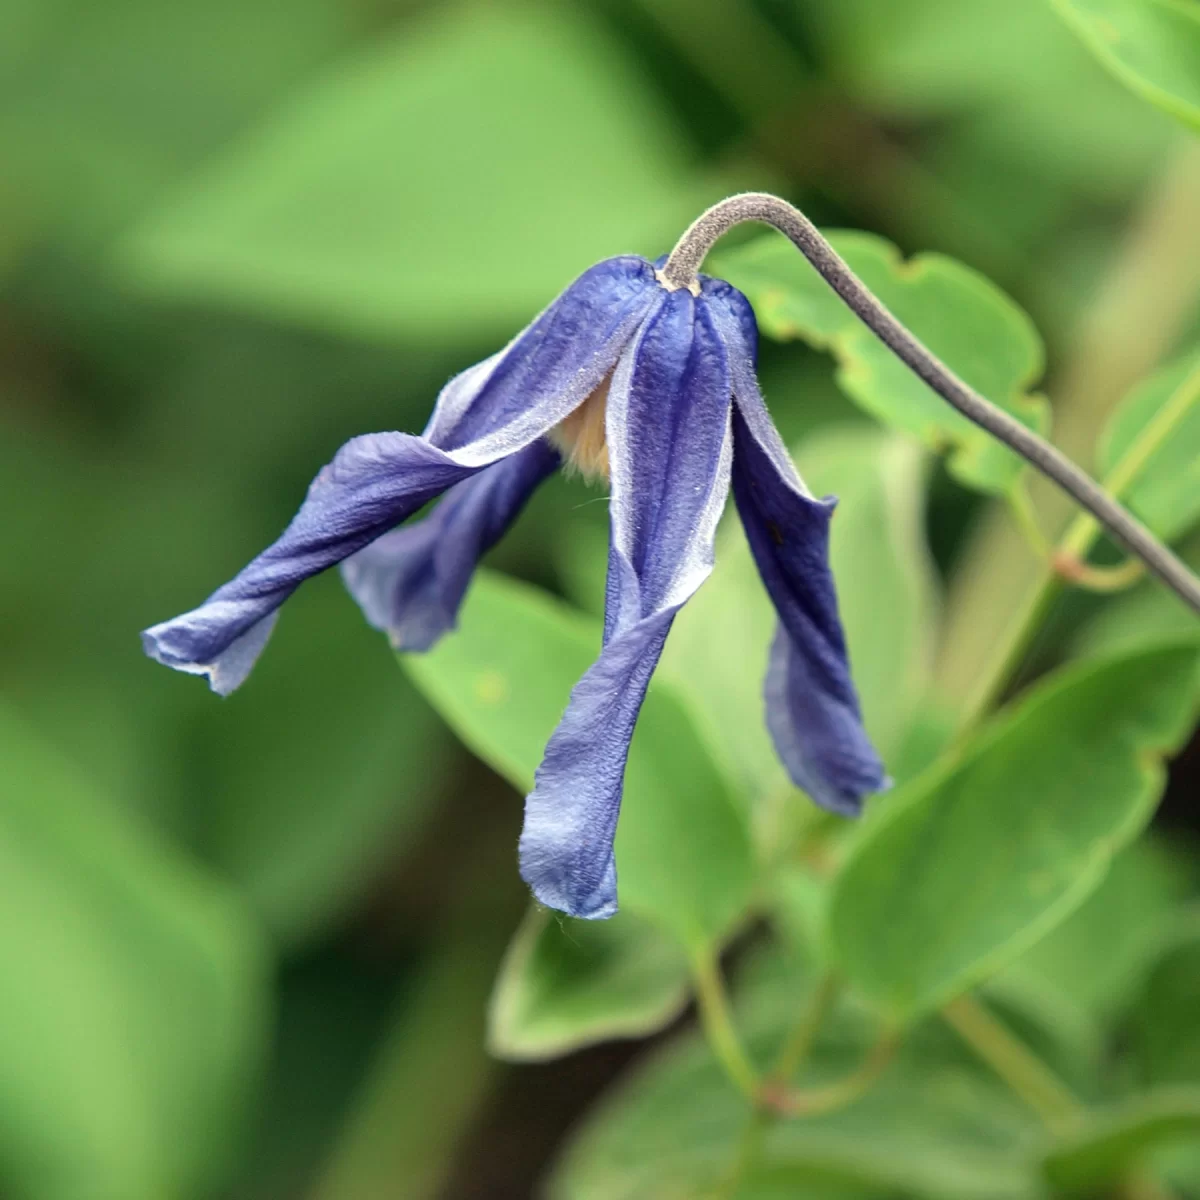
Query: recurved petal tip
177	644
562	891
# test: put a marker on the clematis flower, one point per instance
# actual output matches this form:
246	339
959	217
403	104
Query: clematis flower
623	377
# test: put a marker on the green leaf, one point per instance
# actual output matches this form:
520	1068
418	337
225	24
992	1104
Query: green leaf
566	984
1166	490
1112	1141
957	874
717	651
132	1014
1095	959
931	1126
1068	988
965	320
1152	46
502	682
421	189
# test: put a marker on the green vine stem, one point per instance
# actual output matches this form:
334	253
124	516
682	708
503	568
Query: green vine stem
799	1043
1117	578
716	1018
830	1097
1015	1063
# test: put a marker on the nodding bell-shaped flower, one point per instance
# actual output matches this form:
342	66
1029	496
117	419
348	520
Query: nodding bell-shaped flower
629	378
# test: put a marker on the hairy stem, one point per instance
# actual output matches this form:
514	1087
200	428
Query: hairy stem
680	272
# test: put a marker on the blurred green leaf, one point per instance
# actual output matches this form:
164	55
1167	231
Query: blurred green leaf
1163	1035
1111	1141
101	106
1166	490
359	205
1151	46
1017	120
798	900
717	651
132	993
424	1084
326	765
957	874
1097	957
566	984
965	320
1064	994
930	1127
502	681
1163	1026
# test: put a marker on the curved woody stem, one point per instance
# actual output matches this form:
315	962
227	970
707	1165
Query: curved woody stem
680	272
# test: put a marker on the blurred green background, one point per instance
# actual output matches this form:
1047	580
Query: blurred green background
246	946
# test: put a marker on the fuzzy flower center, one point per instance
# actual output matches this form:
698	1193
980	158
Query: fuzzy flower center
580	436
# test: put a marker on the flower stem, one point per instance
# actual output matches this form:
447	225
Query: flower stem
680	271
717	1021
1015	1063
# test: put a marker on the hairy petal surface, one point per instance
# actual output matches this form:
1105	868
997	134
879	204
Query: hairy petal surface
812	707
372	483
487	413
552	365
410	583
670	448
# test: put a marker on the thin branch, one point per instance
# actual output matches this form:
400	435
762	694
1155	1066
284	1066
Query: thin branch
680	271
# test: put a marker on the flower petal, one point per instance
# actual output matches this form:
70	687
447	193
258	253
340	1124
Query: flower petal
372	483
551	366
670	448
490	411
812	707
410	583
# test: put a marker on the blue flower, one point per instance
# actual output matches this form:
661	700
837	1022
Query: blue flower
656	389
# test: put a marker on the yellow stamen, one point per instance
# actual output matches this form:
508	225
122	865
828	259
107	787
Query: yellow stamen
581	439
